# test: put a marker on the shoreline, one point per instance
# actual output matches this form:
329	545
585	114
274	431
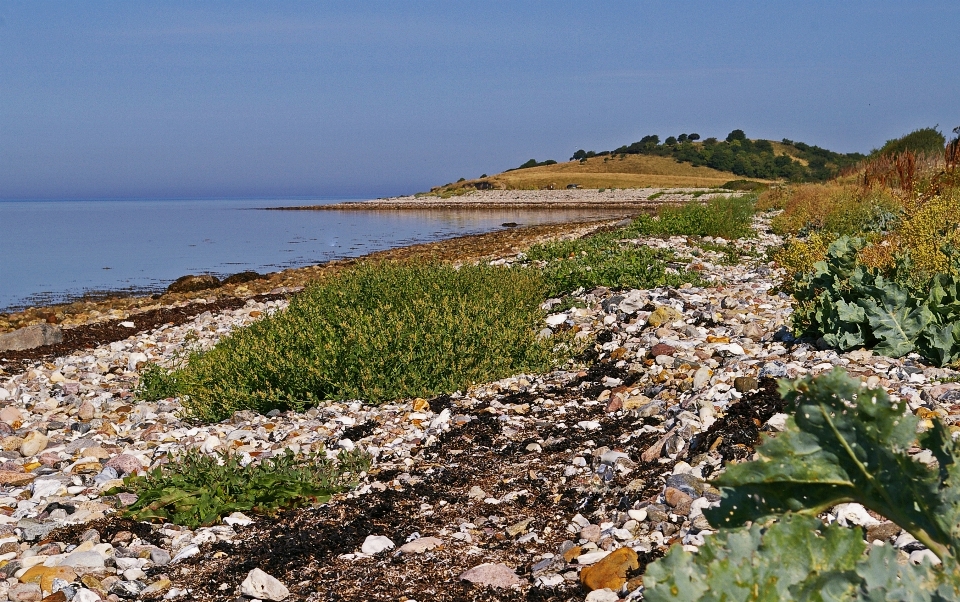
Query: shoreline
118	307
503	474
635	199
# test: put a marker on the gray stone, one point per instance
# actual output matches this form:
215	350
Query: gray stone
420	545
260	585
30	337
687	483
31	529
159	556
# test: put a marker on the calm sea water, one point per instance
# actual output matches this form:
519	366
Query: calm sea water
54	251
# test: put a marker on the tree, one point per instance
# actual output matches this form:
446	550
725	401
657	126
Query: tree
671	141
693	137
736	135
682	138
579	155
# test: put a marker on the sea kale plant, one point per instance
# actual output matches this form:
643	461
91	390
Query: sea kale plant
851	305
843	443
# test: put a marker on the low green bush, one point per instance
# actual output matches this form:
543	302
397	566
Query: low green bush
843	443
728	217
377	333
197	490
606	259
889	311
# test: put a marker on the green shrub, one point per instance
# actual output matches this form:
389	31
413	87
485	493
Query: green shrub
156	383
728	217
198	490
844	443
378	332
606	259
851	305
744	185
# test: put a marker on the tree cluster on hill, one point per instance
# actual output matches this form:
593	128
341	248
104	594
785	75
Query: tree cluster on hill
923	140
534	163
740	155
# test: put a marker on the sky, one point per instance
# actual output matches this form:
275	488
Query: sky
365	99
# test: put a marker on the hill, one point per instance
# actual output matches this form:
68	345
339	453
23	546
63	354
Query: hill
681	161
629	171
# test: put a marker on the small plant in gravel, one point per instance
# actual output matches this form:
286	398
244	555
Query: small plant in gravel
606	259
888	311
197	490
843	443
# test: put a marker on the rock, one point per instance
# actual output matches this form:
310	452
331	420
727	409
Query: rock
675	498
86	595
611	572
58	596
663	314
374	544
259	584
492	575
44	575
157	587
124	464
420	545
84	560
86	411
31	337
242	277
662	349
12	416
602	595
25	592
777	422
883	531
744	384
160	557
34	443
14	478
192	283
701	377
591	533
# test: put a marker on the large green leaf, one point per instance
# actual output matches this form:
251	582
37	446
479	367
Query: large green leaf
895	320
779	562
845	443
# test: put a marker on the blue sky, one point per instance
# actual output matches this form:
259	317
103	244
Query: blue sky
349	99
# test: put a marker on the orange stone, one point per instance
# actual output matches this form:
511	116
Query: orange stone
44	575
611	572
572	553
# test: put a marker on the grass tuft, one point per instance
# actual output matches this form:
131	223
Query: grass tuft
197	490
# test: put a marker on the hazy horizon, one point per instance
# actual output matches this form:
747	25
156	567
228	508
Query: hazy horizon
326	100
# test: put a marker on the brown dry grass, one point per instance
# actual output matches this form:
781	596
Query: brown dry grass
631	171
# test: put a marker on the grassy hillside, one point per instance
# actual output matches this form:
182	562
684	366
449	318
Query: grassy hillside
629	171
682	161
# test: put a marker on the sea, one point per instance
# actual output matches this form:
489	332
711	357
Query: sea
58	251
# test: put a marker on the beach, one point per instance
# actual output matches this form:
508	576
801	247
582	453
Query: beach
525	486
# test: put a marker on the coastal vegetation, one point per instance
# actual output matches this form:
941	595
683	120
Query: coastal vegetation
843	443
198	490
387	331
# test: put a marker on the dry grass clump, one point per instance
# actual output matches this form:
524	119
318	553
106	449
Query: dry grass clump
832	207
931	225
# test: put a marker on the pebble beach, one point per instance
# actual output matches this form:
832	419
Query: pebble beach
558	486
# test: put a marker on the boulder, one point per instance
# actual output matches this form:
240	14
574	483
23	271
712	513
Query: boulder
191	283
243	277
31	337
